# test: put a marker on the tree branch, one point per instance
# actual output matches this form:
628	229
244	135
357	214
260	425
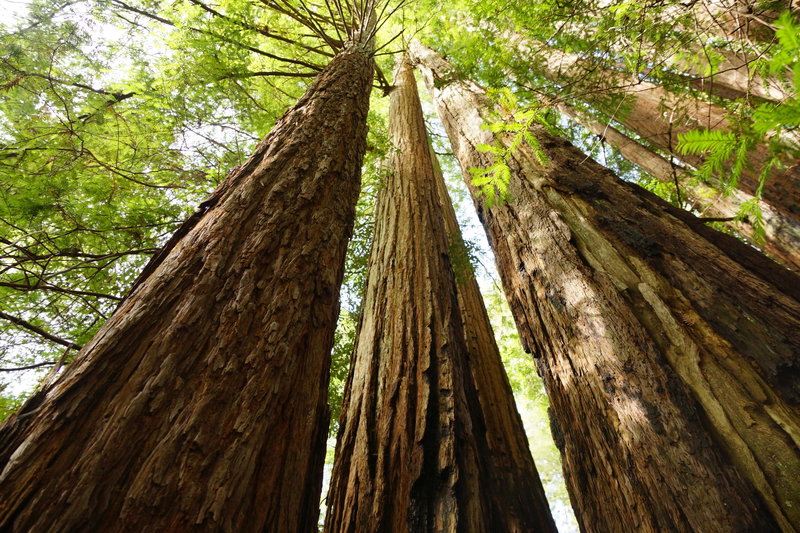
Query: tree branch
28	367
54	288
39	331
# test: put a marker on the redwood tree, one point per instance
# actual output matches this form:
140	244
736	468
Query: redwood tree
414	450
202	403
659	116
668	350
512	475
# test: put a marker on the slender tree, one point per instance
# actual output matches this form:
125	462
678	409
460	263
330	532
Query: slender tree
201	404
781	237
414	450
512	475
668	350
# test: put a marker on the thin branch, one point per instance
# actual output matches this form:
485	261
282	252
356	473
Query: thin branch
267	73
53	288
716	219
84	255
39	331
28	367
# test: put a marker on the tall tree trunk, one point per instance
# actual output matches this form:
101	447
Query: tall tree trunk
659	116
412	453
745	20
781	239
668	350
512	476
201	405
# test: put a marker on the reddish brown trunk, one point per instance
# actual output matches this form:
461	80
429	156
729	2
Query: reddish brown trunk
669	351
412	453
512	476
201	405
781	239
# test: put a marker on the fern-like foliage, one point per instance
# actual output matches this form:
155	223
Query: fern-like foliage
727	151
511	132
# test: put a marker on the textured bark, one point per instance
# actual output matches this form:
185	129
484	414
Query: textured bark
782	238
201	405
659	116
412	453
668	350
512	476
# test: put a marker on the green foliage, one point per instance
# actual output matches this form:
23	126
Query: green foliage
727	153
343	345
9	402
512	130
770	123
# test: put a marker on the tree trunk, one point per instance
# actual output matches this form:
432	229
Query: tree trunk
201	405
658	116
782	238
733	72
745	20
512	475
668	350
412	453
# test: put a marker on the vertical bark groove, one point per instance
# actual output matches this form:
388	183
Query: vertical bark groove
201	405
668	350
412	453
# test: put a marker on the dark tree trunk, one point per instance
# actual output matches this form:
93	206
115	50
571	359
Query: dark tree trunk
669	350
412	453
201	405
782	237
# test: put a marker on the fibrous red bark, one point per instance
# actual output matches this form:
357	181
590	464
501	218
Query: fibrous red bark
414	450
201	405
668	350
